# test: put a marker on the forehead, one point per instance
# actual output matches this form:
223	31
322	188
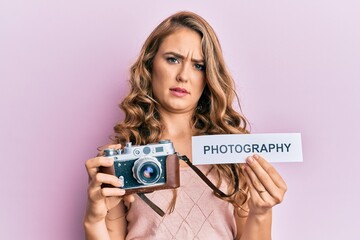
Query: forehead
183	41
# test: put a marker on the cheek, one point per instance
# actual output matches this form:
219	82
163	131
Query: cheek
155	78
159	75
159	83
201	85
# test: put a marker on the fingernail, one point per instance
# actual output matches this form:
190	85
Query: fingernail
249	159
110	160
121	181
256	156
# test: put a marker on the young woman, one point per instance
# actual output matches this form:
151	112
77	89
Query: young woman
180	88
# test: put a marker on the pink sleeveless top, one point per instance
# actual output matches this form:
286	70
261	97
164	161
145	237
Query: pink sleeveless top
198	213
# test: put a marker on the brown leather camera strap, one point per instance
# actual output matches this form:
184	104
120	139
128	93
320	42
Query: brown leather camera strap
208	182
151	204
217	191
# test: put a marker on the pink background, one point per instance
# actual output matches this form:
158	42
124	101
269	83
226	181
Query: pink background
63	70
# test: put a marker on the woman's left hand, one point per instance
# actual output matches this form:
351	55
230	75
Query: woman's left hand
266	186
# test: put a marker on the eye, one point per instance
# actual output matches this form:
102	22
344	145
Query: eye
199	67
172	60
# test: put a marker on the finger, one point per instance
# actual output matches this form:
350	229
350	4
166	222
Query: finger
96	192
255	182
253	192
103	178
261	190
275	192
259	200
102	193
112	192
262	180
271	171
93	164
261	174
129	198
102	148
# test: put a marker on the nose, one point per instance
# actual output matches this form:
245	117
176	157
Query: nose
184	74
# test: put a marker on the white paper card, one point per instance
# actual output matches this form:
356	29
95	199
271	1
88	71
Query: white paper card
234	148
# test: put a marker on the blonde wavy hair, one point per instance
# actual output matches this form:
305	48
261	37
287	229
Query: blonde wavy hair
214	113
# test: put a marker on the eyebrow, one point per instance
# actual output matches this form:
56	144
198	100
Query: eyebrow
182	57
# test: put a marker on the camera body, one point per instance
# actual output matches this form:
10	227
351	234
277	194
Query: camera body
145	168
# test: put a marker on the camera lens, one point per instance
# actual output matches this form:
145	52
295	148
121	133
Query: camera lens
147	170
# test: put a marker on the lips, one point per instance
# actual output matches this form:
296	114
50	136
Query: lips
179	90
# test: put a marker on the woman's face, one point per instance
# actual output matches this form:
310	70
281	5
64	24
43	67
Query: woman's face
178	72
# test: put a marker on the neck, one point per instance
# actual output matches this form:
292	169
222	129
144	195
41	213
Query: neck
177	124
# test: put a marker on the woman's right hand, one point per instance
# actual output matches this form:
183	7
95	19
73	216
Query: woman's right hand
102	200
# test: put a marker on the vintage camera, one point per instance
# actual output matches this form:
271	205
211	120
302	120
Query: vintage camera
145	168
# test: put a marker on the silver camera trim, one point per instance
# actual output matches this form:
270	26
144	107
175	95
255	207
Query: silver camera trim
163	148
